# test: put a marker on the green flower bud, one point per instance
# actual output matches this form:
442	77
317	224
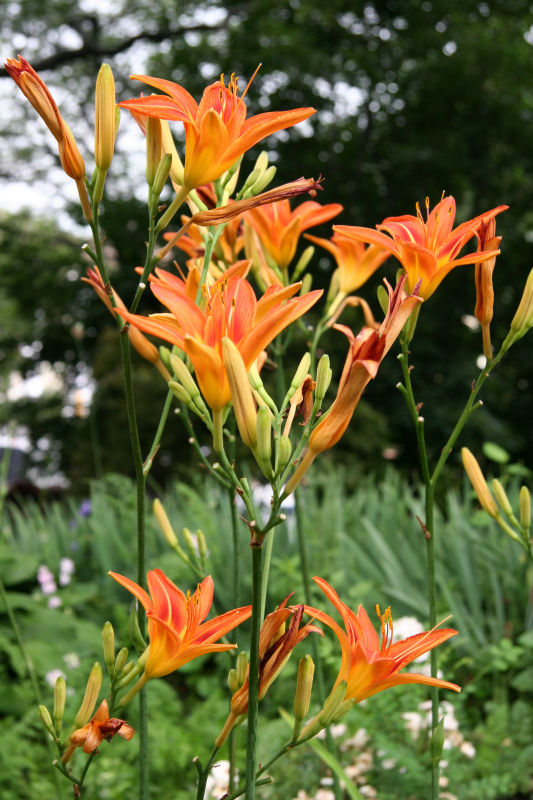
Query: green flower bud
525	508
154	145
332	704
263	448
242	667
501	497
46	719
108	642
233	682
120	661
161	175
92	690
301	265
284	453
299	375
60	696
323	379
383	298
262	181
304	685
134	632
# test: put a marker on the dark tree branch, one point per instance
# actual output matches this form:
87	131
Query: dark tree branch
92	47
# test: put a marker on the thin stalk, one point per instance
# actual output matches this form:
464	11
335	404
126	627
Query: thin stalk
235	542
203	774
253	696
158	434
269	546
319	669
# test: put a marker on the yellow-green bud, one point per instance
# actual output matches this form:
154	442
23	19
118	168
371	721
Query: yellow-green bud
477	479
501	497
383	298
307	282
154	144
323	378
437	741
233	681
332	704
241	392
60	696
161	175
181	393
46	719
242	667
105	126
304	685
262	181
108	642
299	375
121	659
190	542
303	261
92	690
263	448
202	546
229	188
342	710
284	452
164	524
523	319
164	355
525	508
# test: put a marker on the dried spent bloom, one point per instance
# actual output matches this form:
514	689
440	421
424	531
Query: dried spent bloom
427	250
176	627
369	666
217	132
487	240
276	643
100	727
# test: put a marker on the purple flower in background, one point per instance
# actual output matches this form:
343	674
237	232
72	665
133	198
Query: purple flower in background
85	508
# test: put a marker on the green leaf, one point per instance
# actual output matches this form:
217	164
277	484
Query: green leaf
495	452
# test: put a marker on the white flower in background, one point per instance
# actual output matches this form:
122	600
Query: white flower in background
218	781
468	749
72	660
46	580
66	570
54	601
52	676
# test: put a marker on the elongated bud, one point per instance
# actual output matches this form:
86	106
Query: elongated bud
229	188
304	685
299	375
260	167
383	298
46	719
169	148
479	483
191	543
164	523
108	642
92	690
202	546
437	741
263	448
241	392
183	375
261	393
105	124
525	508
501	497
164	355
302	263
71	158
134	632
233	681
121	659
154	144
284	453
60	696
523	319
242	667
332	704
323	378
181	393
307	282
161	174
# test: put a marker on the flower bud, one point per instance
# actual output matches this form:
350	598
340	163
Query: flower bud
263	448
60	696
479	483
108	642
46	719
92	690
161	174
202	546
383	298
323	379
182	394
104	123
299	375
134	632
284	453
304	685
191	543
241	392
332	704
183	375
525	508
307	282
501	497
523	319
302	263
121	659
71	158
262	181
242	667
233	682
154	144
164	523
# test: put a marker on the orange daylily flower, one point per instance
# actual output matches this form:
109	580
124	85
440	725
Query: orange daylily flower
230	309
217	132
355	262
427	249
176	629
145	348
367	351
368	666
275	647
279	228
100	727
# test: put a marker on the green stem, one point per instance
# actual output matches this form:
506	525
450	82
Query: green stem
158	434
319	670
235	541
203	774
269	546
253	695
